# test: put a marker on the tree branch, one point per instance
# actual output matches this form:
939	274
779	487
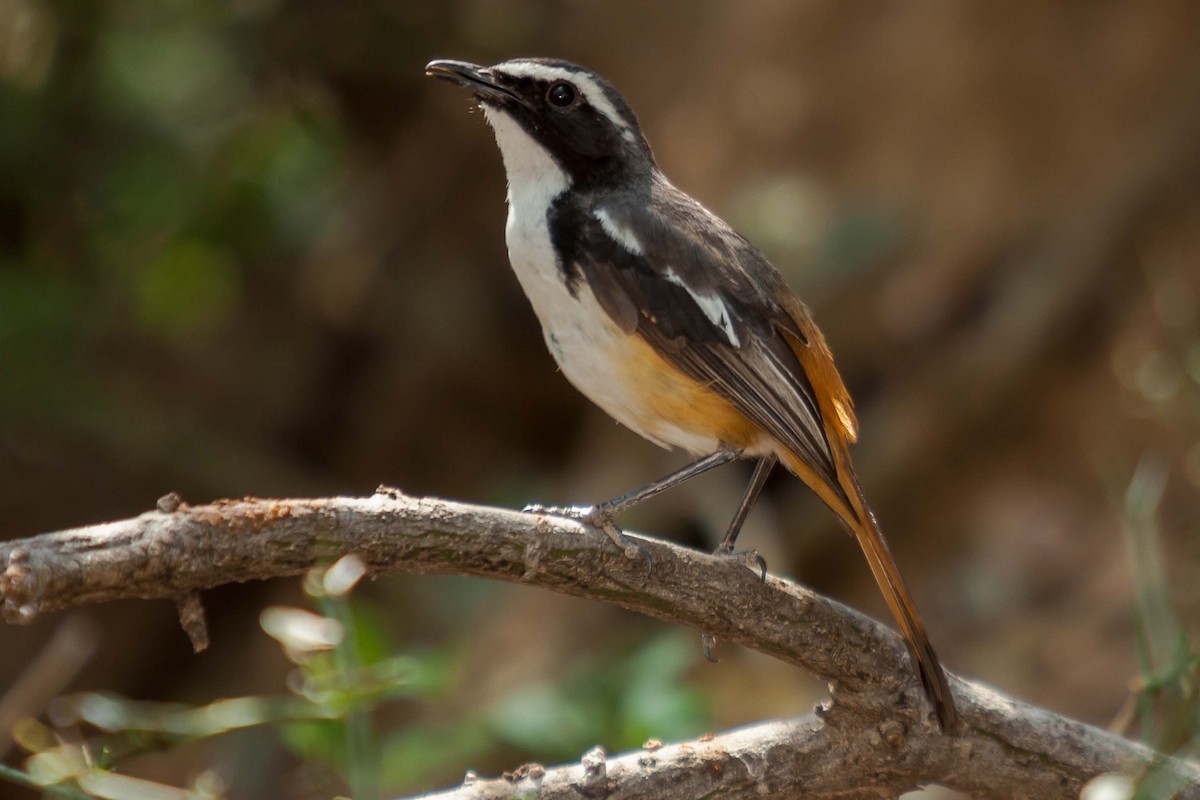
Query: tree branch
878	737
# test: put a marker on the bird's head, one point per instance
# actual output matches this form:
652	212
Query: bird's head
576	116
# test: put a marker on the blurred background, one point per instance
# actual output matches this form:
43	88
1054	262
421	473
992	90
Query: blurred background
246	248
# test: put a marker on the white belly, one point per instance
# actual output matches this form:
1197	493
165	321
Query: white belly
586	343
579	333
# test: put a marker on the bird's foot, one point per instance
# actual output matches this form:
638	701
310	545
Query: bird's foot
601	518
751	559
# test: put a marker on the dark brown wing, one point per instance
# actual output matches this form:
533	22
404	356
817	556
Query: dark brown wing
706	299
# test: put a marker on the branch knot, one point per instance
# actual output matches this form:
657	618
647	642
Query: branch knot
18	587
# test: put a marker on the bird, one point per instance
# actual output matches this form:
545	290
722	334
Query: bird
668	319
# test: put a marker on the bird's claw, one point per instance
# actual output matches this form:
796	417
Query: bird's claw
602	519
752	559
707	643
635	550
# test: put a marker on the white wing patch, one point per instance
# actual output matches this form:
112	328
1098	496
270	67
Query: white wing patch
713	307
591	91
623	236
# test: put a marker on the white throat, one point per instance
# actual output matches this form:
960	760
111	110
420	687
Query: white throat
534	177
534	180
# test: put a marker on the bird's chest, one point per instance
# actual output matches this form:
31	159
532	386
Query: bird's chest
581	336
617	371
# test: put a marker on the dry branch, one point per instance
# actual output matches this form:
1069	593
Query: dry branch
877	737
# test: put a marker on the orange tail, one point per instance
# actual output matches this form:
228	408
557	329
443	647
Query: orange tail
887	575
859	520
845	498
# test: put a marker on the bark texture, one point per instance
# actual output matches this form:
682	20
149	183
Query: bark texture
874	738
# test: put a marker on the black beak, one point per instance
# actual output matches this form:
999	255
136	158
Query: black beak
478	79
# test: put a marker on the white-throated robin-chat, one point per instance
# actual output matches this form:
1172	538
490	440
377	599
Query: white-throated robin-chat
667	318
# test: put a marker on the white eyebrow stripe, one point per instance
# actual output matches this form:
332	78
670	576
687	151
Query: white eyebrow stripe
543	72
712	305
622	235
591	91
598	100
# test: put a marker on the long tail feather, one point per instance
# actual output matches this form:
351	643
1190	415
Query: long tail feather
895	593
838	488
847	502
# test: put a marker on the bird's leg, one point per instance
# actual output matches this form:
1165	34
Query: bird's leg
755	561
762	471
627	501
602	515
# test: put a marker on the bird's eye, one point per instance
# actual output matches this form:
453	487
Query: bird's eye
561	94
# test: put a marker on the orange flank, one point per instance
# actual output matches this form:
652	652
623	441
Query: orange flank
673	401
